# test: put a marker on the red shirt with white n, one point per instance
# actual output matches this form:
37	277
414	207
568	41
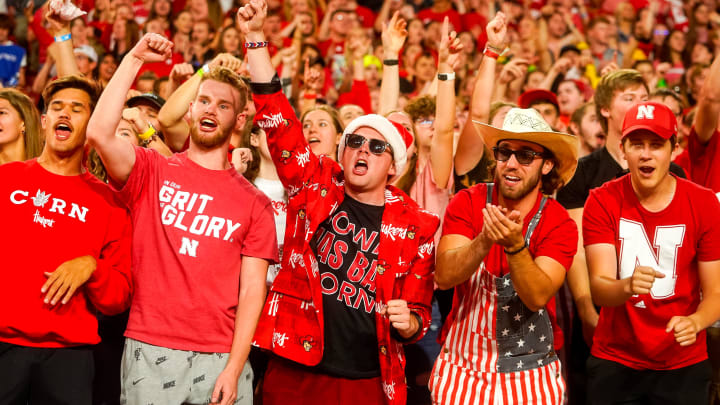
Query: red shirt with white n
671	241
704	169
192	227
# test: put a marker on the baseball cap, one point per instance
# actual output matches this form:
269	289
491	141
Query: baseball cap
88	51
651	116
148	98
529	97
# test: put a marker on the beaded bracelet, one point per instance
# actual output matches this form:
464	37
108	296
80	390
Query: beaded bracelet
254	45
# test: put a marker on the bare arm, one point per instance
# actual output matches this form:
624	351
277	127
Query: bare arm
470	147
250	21
458	258
172	114
393	37
441	149
709	309
117	154
706	118
250	303
63	50
579	280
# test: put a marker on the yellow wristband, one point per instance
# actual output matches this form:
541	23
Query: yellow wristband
201	72
147	134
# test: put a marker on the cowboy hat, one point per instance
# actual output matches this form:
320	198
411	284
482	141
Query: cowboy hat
528	125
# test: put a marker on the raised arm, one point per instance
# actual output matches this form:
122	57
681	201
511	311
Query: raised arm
393	37
117	154
706	118
441	148
470	145
63	45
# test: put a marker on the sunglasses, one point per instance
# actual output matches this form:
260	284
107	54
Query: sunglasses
376	146
523	156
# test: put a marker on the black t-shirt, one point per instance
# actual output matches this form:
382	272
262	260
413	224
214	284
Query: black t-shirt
593	171
346	247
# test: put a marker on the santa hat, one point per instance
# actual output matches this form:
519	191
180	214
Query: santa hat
395	134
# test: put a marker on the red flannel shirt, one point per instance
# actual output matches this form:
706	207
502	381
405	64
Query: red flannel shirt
291	324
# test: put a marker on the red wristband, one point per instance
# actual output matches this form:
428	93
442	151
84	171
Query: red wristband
310	96
490	53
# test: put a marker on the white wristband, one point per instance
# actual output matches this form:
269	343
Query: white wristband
446	76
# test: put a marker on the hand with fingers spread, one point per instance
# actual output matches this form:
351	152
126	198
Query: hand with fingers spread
67	278
401	318
513	70
251	17
226	60
394	35
497	31
152	48
504	228
685	329
642	280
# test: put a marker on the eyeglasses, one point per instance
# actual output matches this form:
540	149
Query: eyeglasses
376	146
523	156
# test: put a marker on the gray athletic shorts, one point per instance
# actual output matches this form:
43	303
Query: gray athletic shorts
158	375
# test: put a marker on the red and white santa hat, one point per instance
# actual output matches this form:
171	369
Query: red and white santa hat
395	134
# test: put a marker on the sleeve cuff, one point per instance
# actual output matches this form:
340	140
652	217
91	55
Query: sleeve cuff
272	87
396	335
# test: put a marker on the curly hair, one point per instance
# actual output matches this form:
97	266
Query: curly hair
420	107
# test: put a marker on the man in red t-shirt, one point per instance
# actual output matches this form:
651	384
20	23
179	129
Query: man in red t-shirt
649	344
505	248
65	232
202	242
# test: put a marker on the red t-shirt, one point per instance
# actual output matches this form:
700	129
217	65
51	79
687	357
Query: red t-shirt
192	227
50	219
453	16
704	168
685	232
555	236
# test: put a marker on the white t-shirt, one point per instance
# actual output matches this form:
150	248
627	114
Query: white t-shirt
275	191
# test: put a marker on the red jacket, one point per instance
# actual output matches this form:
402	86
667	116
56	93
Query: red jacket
291	324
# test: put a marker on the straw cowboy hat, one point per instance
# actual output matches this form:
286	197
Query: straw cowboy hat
528	125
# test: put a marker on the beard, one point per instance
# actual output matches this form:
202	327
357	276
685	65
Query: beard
212	142
519	191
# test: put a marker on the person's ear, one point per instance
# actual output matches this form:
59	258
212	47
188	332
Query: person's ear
548	165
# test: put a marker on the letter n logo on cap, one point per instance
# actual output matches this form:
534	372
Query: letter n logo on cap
645	112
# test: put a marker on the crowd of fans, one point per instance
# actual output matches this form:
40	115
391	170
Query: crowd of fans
420	63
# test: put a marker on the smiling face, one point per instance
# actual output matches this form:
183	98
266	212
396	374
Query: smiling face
183	23
11	124
366	171
648	157
214	113
320	133
516	180
65	122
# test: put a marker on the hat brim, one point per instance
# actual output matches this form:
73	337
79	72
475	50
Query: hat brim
563	146
133	101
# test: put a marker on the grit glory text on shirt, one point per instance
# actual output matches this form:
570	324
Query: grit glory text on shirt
185	210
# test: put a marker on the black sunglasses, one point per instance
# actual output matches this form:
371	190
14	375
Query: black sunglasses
523	156
376	146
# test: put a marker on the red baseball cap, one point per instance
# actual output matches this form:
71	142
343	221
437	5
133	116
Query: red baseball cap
651	116
529	97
